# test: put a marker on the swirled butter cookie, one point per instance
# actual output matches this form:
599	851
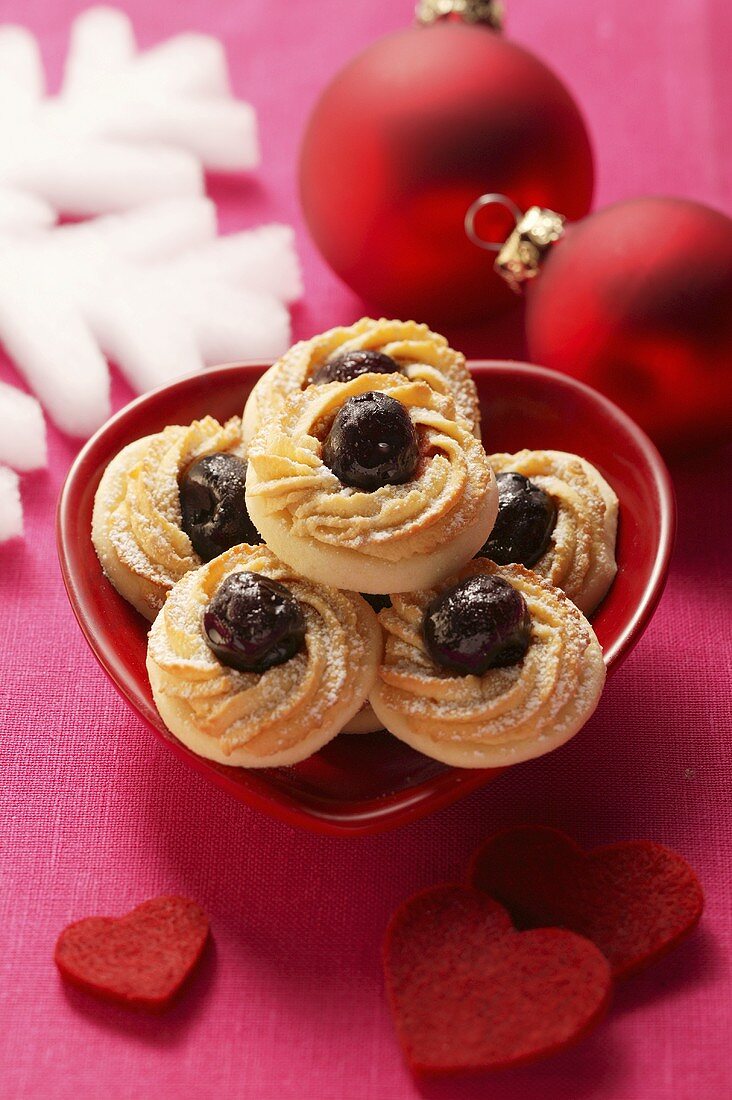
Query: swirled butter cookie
369	346
558	516
252	665
491	668
373	484
166	503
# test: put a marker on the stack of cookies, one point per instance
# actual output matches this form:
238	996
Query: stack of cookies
347	557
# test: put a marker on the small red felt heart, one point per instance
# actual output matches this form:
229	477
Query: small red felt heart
139	960
469	992
635	900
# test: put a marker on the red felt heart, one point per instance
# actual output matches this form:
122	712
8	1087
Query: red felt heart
139	960
635	900
469	992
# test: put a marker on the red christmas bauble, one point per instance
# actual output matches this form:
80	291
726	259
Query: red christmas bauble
636	300
407	136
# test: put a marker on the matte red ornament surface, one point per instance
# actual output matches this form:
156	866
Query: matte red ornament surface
367	783
468	992
637	302
635	900
407	136
140	960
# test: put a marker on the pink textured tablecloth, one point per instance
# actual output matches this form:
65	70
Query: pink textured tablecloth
97	815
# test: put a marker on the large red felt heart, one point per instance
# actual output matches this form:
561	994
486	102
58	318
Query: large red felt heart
635	900
139	960
469	992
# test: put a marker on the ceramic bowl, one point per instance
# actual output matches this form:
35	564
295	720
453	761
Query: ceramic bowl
367	783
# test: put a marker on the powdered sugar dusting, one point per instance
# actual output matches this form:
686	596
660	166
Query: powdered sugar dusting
280	709
508	714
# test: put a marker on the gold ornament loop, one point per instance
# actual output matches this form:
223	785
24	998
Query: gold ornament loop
493	199
520	258
489	12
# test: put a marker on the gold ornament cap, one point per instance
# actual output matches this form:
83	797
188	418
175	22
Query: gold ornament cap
520	257
489	12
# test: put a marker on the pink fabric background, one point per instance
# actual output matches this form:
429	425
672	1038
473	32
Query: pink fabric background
97	816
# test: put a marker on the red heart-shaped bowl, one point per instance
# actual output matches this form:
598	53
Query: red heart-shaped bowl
370	782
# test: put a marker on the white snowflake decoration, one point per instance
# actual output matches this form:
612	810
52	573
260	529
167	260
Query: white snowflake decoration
154	289
23	434
149	286
127	127
11	510
22	445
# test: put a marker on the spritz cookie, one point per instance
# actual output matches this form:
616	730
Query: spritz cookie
254	666
369	346
493	667
166	503
374	484
559	516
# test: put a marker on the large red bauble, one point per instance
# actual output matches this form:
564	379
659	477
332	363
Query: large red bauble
637	301
407	136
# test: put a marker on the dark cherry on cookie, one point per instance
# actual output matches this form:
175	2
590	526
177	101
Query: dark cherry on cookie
479	623
213	506
372	442
524	524
253	623
351	364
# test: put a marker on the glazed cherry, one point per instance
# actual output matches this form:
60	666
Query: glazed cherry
213	506
372	442
524	524
351	364
253	623
479	623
